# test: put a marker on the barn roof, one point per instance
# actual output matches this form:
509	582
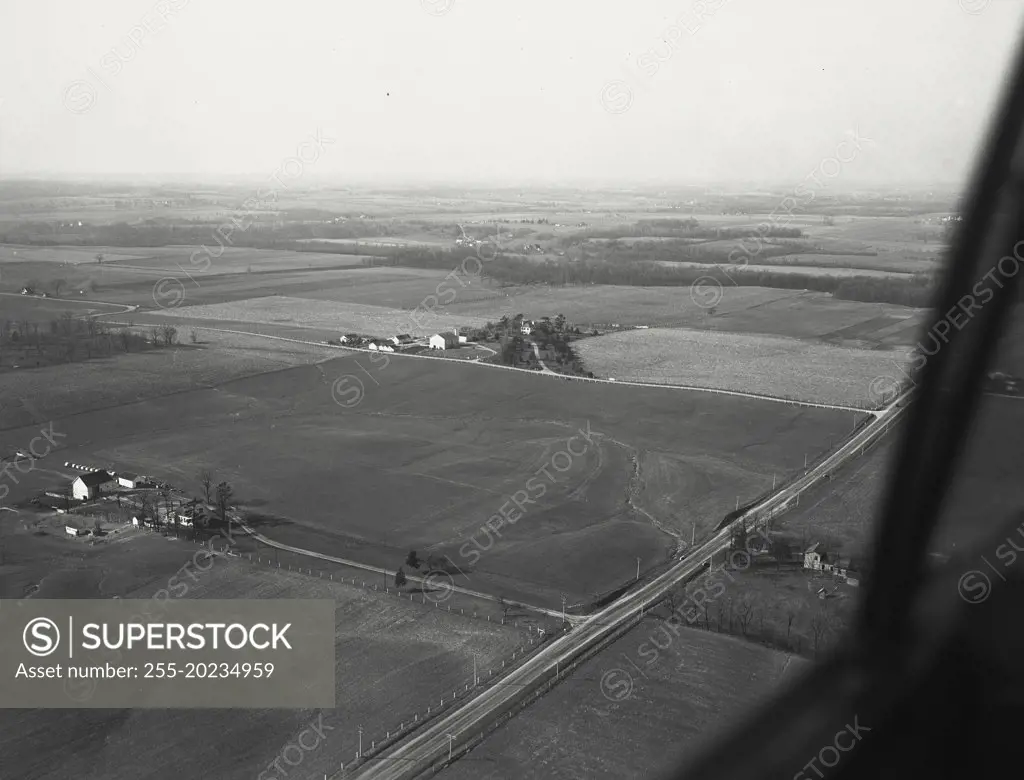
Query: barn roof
94	478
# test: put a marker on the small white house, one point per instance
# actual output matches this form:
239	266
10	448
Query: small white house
385	347
463	339
812	558
88	485
444	341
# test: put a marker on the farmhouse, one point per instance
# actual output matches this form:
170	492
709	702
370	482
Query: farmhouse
350	338
401	339
88	485
444	341
385	347
813	558
818	561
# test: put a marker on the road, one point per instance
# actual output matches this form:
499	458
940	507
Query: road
454	732
197	324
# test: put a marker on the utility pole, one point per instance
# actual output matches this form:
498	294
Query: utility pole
360	741
638	568
451	740
474	669
563	609
773	483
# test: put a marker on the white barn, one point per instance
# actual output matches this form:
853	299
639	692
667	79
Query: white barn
444	341
88	485
128	479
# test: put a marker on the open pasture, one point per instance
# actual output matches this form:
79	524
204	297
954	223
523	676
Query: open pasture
393	659
769	365
33	309
53	392
431	450
324	315
233	260
699	687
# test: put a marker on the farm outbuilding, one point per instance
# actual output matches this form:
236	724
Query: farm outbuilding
88	485
444	341
128	479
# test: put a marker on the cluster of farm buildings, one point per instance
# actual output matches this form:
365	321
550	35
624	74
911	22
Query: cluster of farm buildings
439	341
130	490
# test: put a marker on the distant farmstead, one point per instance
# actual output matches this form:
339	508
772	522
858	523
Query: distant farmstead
444	341
88	485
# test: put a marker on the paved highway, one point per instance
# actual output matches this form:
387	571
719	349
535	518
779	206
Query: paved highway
451	733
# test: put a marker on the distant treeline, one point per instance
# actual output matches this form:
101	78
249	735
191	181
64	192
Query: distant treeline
512	269
253	231
688	228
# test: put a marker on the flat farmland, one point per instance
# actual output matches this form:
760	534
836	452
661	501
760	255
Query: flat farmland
54	392
769	365
807	265
700	686
432	449
232	260
69	255
664	306
393	659
29	308
323	315
842	513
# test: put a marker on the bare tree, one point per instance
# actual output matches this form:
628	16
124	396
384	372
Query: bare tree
57	285
224	494
744	612
169	333
792	610
206	480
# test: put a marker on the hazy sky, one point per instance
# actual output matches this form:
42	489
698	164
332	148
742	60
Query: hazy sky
560	91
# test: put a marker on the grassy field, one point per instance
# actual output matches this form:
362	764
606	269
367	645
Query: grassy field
394	658
786	368
338	318
702	684
807	265
433	449
26	308
55	392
